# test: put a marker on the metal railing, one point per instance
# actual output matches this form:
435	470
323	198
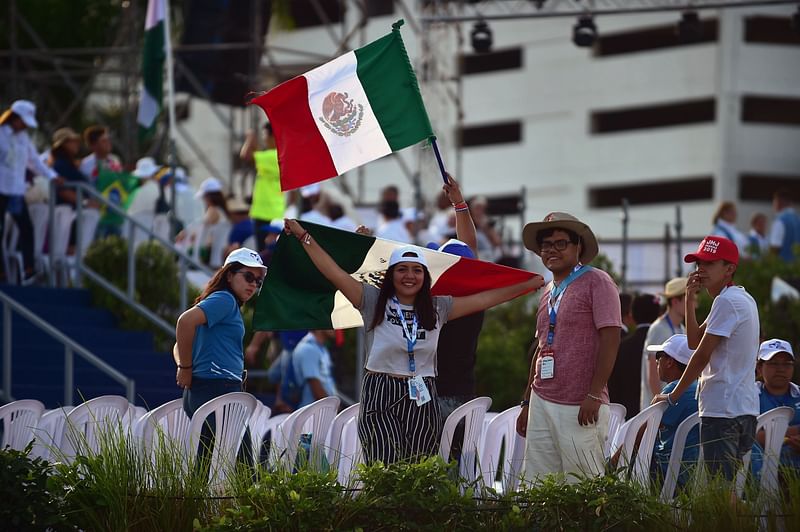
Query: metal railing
128	296
70	349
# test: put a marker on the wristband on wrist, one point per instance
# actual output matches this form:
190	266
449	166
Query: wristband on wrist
594	398
185	367
670	402
524	402
461	206
301	237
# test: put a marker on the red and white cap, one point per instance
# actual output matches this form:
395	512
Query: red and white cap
714	248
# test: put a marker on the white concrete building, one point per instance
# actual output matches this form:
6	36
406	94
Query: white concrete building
636	116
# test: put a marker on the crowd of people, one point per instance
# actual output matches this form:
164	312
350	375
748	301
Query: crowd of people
592	344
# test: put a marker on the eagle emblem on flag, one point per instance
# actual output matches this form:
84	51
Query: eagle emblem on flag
340	114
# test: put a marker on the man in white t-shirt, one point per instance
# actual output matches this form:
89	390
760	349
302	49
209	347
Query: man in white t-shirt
725	357
668	324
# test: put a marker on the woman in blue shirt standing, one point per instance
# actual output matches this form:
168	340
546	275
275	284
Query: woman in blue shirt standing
208	348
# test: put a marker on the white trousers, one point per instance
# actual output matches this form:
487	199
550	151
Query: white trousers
556	443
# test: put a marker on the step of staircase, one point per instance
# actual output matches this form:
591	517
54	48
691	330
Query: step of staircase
38	359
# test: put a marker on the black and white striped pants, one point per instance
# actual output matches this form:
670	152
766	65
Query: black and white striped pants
391	426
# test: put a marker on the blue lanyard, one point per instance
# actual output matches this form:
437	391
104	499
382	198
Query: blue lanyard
669	322
409	335
555	295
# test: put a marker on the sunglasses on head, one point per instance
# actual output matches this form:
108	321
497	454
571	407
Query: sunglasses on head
250	278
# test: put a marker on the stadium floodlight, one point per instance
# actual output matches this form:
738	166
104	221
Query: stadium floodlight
481	35
584	32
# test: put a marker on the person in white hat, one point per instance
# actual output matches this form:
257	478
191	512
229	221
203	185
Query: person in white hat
400	418
146	195
669	323
17	153
564	416
776	364
208	347
672	356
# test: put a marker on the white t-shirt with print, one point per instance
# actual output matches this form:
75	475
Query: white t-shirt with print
385	345
727	386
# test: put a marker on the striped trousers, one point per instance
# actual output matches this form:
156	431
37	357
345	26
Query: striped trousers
391	426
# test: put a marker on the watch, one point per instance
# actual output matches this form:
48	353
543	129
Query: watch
524	402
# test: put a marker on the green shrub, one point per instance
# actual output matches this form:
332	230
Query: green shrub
30	500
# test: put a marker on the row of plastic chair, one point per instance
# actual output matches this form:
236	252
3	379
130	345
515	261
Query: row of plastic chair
623	436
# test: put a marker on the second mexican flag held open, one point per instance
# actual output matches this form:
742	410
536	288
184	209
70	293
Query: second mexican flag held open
296	296
355	109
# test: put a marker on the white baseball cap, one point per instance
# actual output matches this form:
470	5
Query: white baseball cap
770	348
210	184
407	254
310	190
676	346
26	110
245	257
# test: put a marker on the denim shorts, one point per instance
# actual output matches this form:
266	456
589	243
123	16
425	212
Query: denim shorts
725	441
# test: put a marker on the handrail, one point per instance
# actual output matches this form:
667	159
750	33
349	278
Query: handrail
127	297
70	346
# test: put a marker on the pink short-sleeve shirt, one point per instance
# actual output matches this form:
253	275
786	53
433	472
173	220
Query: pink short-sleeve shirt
589	303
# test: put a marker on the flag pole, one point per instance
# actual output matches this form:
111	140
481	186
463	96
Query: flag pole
171	151
439	159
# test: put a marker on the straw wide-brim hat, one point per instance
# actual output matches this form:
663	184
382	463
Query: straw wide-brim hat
63	135
562	220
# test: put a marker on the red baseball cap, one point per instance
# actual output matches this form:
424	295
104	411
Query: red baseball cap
714	248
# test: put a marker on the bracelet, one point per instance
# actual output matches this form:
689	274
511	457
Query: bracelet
670	402
594	398
524	402
185	367
306	239
301	237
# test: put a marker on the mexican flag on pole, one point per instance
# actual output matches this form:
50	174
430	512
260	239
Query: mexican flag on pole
152	65
345	113
296	296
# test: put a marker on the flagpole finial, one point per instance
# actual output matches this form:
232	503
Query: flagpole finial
396	25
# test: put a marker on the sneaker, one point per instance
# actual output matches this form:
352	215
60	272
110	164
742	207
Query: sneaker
30	279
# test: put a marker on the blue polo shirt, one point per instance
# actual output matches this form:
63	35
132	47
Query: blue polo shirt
789	457
217	349
673	416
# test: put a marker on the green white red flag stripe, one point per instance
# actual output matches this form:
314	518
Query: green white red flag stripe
296	296
153	57
357	108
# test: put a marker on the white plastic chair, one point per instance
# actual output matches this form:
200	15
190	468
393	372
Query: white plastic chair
258	427
271	428
616	417
650	418
19	420
314	419
40	215
774	422
88	226
50	432
501	428
168	421
63	216
14	267
472	412
232	412
335	436
350	454
139	236
676	456
91	423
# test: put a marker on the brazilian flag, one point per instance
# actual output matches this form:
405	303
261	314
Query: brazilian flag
116	187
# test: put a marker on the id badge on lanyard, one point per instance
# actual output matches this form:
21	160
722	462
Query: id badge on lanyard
547	367
417	389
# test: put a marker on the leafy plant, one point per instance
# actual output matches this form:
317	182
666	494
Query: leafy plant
30	500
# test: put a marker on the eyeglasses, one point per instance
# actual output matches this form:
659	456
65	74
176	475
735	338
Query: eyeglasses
785	365
250	278
559	245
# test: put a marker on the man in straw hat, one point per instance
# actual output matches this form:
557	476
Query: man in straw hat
668	324
725	357
564	414
17	154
